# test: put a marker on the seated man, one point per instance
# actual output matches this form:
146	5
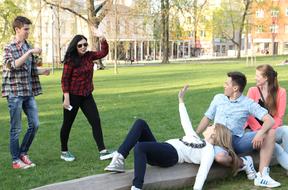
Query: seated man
232	110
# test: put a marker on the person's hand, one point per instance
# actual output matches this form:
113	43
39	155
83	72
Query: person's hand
257	141
66	103
182	93
98	33
36	51
46	72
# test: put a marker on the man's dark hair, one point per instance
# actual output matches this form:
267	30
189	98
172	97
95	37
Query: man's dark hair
238	79
19	22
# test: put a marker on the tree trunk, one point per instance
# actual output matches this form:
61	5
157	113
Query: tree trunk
239	45
246	10
165	30
93	23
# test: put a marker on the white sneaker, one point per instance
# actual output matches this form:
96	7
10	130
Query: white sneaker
248	167
265	180
18	164
67	156
106	154
134	188
117	164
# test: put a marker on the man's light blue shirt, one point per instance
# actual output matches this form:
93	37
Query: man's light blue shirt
234	113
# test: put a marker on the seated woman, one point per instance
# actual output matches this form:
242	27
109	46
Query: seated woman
191	148
271	96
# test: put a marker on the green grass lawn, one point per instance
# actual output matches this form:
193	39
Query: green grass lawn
148	92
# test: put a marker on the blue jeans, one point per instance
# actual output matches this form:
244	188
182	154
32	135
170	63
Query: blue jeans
146	150
15	105
240	144
281	146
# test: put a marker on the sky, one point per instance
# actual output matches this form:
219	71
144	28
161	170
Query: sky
128	1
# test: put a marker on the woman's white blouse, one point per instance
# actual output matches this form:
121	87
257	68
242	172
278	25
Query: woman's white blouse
203	156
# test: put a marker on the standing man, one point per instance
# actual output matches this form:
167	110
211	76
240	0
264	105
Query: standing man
232	110
20	83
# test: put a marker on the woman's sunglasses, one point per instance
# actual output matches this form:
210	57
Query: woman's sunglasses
80	45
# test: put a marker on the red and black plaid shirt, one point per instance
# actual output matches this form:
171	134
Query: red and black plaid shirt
78	80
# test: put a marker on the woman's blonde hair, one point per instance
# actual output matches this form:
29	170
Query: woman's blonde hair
223	138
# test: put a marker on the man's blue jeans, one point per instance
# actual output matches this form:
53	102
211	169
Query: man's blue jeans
15	105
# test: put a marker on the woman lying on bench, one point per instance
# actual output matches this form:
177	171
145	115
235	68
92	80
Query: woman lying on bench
191	148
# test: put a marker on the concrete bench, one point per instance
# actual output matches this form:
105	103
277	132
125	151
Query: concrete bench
178	176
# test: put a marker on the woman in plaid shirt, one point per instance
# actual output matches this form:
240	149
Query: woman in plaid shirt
77	87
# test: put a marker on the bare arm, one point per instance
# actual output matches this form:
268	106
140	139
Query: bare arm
21	60
268	122
66	102
203	125
43	71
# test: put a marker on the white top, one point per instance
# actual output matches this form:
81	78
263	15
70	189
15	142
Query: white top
203	156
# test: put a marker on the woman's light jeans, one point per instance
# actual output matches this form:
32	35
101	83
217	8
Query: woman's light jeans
281	146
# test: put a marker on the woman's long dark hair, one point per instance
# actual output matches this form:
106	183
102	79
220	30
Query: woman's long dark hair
71	53
273	85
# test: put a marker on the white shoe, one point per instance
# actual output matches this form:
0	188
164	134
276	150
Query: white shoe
248	167
18	164
117	164
106	154
134	188
67	156
265	180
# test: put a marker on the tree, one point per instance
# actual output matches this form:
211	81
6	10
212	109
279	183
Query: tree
8	11
95	17
194	9
229	21
165	30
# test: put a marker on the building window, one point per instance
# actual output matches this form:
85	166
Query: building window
259	13
46	27
274	28
144	27
127	27
259	29
286	28
286	12
136	28
108	26
275	13
203	33
286	46
118	29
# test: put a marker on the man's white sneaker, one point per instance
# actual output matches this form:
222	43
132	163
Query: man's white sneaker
265	180
248	167
117	164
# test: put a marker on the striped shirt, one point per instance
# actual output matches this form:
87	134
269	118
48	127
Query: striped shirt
23	80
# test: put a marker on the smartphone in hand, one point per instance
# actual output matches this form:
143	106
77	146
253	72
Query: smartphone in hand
69	108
